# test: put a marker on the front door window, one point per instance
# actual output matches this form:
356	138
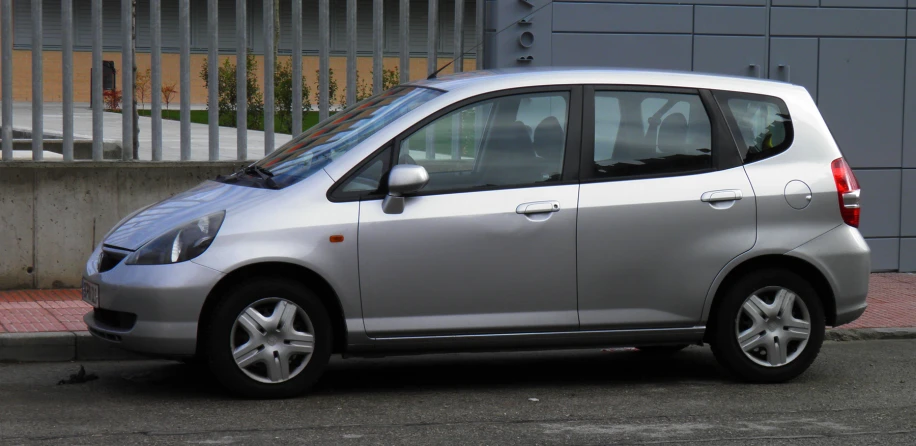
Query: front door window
516	140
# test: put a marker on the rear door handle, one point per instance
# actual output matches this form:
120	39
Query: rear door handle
540	207
721	195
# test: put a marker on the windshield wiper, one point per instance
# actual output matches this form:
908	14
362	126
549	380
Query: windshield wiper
262	173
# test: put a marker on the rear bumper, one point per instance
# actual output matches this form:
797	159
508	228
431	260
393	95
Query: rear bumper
844	259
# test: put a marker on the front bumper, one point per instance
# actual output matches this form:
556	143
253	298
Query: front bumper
844	259
157	306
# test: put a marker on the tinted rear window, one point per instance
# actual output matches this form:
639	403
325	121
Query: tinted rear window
760	124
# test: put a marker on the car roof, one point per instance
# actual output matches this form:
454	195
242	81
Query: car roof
501	79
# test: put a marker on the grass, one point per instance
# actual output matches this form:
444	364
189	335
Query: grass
309	119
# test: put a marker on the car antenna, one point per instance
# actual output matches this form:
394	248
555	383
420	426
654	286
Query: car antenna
528	19
433	76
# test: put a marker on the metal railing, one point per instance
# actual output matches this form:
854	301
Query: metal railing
241	52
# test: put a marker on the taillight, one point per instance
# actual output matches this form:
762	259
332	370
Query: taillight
847	188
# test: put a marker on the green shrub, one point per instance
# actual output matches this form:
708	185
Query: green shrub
283	95
228	95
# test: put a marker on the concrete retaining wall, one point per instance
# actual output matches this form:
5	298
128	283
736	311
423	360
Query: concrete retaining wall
53	214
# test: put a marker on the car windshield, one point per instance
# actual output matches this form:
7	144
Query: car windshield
319	146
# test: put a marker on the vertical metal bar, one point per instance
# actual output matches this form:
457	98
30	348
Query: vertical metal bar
324	60
127	77
352	80
432	41
184	37
459	36
432	61
6	33
297	68
155	30
378	38
456	135
766	62
478	42
98	115
241	78
431	140
269	66
66	17
37	84
404	28
213	78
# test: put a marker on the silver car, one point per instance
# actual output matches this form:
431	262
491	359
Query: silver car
500	210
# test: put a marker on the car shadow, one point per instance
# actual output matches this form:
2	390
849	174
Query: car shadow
443	372
486	371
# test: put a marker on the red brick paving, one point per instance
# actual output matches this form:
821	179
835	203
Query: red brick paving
891	303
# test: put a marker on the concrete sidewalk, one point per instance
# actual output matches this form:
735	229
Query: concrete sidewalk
48	324
171	133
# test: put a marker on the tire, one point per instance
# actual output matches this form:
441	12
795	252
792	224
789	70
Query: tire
279	342
662	349
767	362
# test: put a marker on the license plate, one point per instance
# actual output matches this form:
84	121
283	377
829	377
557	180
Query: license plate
91	293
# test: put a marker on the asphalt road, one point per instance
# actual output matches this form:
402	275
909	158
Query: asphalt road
856	393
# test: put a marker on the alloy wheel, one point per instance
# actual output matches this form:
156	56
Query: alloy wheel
272	340
773	326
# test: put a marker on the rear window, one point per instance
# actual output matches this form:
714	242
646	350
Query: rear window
760	124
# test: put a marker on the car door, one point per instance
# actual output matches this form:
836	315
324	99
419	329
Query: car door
488	246
664	206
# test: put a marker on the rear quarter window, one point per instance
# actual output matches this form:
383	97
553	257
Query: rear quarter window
761	125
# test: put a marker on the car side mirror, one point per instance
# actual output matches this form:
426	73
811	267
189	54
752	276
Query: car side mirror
403	179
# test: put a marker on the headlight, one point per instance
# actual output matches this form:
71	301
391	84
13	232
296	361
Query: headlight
180	244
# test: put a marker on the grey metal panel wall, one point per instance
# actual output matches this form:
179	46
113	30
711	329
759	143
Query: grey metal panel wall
908	254
837	22
732	20
736	55
908	204
678	2
657	51
796	2
863	105
911	23
885	253
909	112
864	3
531	44
795	60
604	17
880	202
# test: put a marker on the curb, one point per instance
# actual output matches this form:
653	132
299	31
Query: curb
59	346
82	346
868	334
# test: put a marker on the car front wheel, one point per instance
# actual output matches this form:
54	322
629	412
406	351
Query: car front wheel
769	327
269	338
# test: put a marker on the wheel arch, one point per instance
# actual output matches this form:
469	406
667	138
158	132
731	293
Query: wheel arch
806	270
301	274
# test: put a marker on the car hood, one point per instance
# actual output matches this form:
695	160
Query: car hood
206	198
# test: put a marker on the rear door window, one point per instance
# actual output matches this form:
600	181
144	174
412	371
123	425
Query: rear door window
760	124
650	134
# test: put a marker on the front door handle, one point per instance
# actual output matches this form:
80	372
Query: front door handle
540	207
721	195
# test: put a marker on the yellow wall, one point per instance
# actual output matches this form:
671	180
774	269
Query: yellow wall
82	64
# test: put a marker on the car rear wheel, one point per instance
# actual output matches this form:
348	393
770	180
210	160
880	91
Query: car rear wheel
269	338
769	326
